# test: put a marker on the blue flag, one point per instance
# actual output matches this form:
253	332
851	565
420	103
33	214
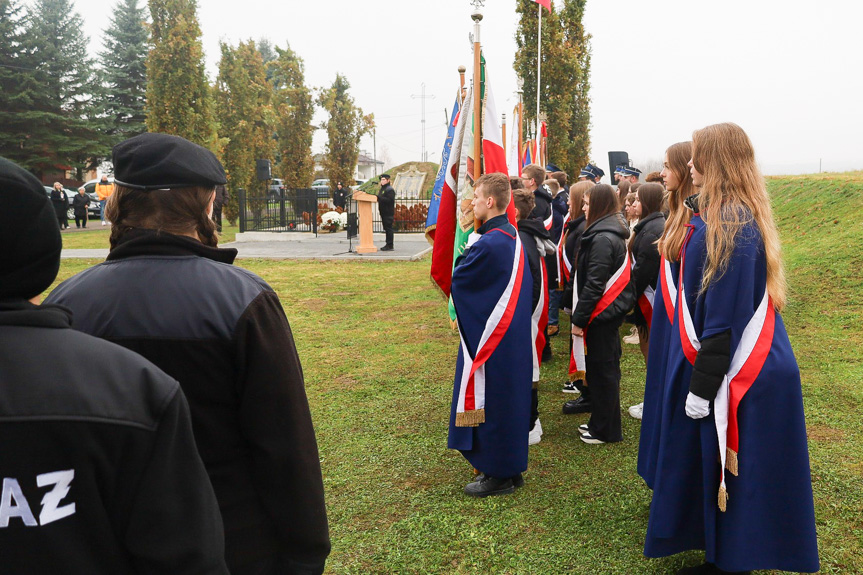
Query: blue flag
434	205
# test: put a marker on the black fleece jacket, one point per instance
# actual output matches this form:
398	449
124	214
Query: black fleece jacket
602	252
529	231
645	258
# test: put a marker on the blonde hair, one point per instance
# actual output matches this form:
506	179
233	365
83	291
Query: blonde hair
679	215
733	195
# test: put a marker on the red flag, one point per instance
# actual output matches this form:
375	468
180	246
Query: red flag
494	158
545	3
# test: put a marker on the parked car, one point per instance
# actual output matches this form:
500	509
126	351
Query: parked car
92	209
276	188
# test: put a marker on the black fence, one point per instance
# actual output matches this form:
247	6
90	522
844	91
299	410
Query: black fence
301	211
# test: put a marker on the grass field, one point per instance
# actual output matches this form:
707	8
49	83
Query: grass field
379	355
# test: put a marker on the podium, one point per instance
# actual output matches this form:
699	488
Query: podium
364	210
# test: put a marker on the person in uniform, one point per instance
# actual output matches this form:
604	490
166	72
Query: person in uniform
340	195
592	173
631	174
732	472
387	209
100	470
490	414
168	292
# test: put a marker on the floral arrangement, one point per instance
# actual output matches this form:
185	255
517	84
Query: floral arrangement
333	221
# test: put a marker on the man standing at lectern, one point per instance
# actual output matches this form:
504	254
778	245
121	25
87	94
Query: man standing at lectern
387	208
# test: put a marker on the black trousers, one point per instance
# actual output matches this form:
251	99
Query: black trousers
602	363
387	221
80	219
217	217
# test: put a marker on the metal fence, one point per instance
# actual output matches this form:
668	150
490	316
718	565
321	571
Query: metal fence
300	211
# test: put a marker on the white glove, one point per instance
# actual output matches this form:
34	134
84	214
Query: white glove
697	407
472	239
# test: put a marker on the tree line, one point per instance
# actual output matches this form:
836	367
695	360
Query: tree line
62	110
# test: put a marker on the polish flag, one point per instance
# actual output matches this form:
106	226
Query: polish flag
494	158
545	3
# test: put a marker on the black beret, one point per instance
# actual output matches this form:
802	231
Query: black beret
387	176
152	161
30	235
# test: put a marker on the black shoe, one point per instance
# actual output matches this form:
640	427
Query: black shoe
517	481
489	485
387	249
709	569
579	405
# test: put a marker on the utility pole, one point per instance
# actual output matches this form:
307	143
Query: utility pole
375	148
423	97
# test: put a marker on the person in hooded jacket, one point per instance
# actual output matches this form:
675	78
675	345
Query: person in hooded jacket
603	270
647	209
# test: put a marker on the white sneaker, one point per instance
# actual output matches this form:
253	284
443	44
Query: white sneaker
535	435
582	429
588	438
636	410
103	223
632	338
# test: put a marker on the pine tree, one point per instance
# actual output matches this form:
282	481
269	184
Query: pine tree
17	84
294	110
124	71
244	103
63	134
179	97
345	127
564	94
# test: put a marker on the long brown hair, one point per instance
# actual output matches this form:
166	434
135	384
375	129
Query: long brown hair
733	195
603	201
679	215
576	197
651	197
179	211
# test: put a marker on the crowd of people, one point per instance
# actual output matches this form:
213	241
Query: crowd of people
690	258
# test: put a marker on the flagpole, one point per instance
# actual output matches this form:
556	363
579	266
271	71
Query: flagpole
538	68
461	71
477	101
503	132
520	127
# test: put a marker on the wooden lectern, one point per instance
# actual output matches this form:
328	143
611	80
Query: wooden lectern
364	211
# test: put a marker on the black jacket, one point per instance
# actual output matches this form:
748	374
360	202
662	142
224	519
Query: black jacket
80	203
108	436
222	197
60	201
602	252
387	201
645	258
542	211
340	197
221	332
574	231
529	231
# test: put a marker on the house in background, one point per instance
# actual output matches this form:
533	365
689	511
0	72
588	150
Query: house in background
364	170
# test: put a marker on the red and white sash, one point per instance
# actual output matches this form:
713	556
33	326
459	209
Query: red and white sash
645	304
538	322
613	288
547	222
669	290
746	364
470	410
564	266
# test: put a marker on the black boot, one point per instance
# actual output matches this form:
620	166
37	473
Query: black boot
488	485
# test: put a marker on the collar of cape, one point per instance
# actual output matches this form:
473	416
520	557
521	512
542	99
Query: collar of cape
470	408
746	363
613	288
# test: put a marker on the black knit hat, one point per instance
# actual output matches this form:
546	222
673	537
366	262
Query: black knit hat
30	235
153	161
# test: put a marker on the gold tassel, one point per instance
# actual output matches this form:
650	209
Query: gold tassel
723	498
453	324
731	461
470	418
576	376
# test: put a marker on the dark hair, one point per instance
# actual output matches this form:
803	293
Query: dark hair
524	202
654	177
180	211
622	191
495	185
603	201
561	178
516	184
651	197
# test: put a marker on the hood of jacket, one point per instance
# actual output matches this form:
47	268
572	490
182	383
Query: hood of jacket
643	222
612	223
534	228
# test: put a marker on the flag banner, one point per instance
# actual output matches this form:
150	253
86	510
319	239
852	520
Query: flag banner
494	157
447	222
434	205
543	146
544	3
514	160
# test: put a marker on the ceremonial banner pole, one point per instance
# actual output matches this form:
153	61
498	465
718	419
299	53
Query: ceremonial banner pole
503	132
538	67
461	71
477	98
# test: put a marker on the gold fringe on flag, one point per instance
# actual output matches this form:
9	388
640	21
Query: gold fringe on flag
470	418
576	376
723	498
731	461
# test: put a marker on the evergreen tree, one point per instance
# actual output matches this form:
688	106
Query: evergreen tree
62	133
124	71
244	103
345	127
179	97
17	84
294	110
564	94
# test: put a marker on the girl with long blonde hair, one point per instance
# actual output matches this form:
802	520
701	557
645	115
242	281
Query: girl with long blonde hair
732	467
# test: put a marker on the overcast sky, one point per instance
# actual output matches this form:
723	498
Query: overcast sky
790	72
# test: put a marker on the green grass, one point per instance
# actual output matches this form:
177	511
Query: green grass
379	355
98	237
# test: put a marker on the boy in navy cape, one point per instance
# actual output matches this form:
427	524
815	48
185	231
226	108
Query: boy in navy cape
732	469
491	292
